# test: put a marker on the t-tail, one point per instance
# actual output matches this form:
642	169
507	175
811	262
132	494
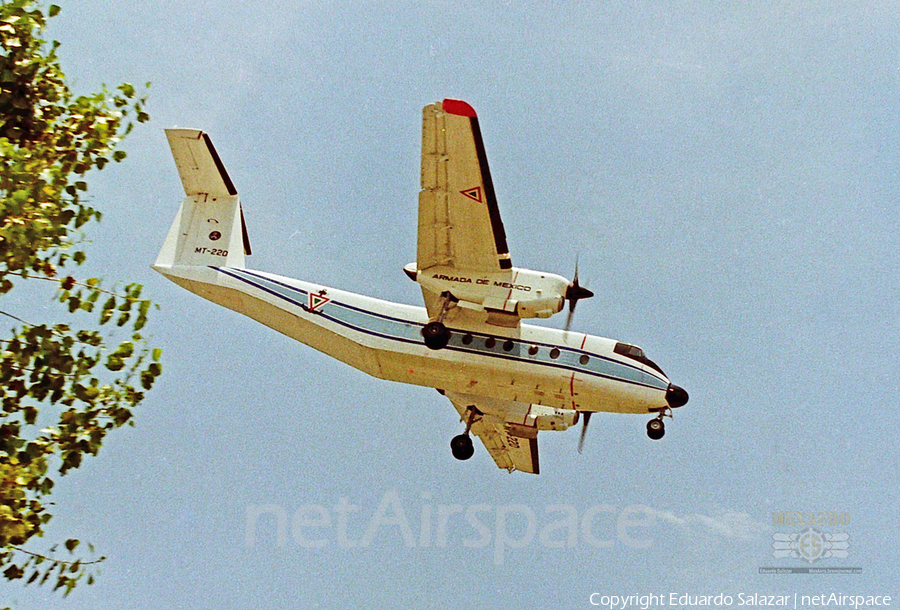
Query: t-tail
209	228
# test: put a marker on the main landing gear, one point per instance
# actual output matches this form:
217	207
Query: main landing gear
656	428
437	335
461	445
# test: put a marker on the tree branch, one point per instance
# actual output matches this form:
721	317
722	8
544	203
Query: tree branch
68	563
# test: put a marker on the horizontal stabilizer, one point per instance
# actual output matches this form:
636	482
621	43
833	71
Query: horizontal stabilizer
199	166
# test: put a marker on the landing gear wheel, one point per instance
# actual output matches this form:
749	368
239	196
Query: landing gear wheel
436	335
656	429
462	447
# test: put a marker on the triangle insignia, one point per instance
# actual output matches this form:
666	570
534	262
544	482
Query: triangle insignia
474	194
316	301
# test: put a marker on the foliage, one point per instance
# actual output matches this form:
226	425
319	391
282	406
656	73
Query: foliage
63	386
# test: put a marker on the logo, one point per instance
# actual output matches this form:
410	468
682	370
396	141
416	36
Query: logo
474	194
811	545
317	300
815	536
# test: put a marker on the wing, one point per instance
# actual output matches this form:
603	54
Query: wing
459	221
501	426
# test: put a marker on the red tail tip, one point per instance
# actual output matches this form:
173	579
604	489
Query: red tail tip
458	107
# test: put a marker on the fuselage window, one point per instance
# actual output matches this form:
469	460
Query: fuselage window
554	353
533	350
490	342
467	339
507	345
584	359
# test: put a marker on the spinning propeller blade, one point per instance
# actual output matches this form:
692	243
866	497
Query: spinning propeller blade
574	292
587	418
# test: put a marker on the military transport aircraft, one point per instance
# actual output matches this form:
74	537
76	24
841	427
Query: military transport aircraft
508	380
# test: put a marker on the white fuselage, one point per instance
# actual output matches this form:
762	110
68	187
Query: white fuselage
545	366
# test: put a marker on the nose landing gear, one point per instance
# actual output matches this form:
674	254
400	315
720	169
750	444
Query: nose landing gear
656	428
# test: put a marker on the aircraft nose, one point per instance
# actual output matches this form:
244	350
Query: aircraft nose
676	396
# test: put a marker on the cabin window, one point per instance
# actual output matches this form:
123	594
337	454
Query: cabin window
554	353
467	339
507	345
533	350
584	359
490	342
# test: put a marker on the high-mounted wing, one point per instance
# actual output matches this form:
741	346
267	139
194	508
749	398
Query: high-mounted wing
463	264
459	221
503	426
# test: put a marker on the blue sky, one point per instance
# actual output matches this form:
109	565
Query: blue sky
726	174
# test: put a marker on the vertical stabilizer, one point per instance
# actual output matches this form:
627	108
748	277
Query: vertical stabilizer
209	228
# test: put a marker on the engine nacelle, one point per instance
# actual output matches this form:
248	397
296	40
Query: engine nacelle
549	418
541	307
525	293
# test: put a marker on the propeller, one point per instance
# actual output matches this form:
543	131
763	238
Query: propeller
587	418
575	292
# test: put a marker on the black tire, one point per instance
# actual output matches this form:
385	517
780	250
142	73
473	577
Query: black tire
656	429
436	335
462	447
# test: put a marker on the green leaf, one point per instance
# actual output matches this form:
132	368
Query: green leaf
147	380
125	350
107	311
115	363
87	394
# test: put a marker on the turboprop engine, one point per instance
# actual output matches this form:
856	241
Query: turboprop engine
540	308
548	418
522	292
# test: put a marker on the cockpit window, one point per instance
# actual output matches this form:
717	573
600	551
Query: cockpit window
632	351
636	353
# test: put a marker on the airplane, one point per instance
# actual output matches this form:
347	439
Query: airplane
507	379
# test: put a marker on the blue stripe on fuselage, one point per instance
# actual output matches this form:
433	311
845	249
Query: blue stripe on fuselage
396	329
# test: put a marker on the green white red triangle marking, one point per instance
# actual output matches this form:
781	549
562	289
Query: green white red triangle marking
474	194
316	301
